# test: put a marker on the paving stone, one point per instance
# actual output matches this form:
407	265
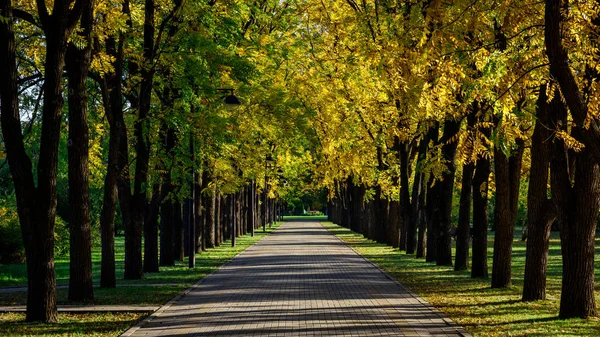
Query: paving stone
299	281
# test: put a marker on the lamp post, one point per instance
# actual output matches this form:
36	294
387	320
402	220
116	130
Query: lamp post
231	102
268	159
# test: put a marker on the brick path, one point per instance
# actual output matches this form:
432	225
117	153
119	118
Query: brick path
299	281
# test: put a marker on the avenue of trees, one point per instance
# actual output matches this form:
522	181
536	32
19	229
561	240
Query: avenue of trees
389	105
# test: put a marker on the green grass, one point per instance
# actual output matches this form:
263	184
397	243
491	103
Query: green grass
471	302
102	324
97	324
305	217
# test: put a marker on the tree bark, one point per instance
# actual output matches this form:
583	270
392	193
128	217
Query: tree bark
111	87
199	218
577	205
540	210
406	230
444	216
508	179
78	63
167	219
151	230
463	232
479	264
36	206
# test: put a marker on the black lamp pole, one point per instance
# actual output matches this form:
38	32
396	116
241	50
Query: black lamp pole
264	205
192	213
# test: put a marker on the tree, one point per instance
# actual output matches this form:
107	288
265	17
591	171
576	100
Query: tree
576	197
540	209
36	203
78	63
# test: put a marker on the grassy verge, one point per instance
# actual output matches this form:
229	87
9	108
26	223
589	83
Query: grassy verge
305	217
471	302
178	277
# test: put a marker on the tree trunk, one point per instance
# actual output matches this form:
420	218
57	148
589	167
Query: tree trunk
199	218
251	216
178	237
133	235
577	205
540	210
508	175
444	216
151	230
78	63
479	264
433	201
112	99
36	206
463	232
405	206
418	198
210	218
167	220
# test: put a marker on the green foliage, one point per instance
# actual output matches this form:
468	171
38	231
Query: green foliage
11	244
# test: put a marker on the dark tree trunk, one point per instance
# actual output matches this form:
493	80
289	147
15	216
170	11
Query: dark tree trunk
36	206
578	216
479	265
508	175
405	206
432	206
444	216
167	220
111	87
393	222
463	232
432	227
199	218
251	214
133	235
78	63
178	236
540	210
151	231
418	198
577	205
210	217
234	220
177	221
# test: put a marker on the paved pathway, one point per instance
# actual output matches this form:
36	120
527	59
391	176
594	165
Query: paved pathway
299	281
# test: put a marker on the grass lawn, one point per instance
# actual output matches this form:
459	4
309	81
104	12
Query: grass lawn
103	324
305	217
471	302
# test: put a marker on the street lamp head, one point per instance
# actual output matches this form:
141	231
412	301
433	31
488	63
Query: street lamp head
232	102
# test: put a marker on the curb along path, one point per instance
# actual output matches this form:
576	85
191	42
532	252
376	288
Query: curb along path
299	281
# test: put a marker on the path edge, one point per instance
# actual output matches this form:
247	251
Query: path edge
175	299
459	329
